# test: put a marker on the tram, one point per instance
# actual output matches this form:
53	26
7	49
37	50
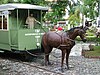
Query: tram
14	32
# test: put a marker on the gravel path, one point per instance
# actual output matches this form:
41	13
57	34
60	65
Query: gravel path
79	66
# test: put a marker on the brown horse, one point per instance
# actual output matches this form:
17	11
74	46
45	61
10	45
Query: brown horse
63	41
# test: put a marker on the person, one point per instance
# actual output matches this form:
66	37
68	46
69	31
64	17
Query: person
86	23
98	32
60	28
31	21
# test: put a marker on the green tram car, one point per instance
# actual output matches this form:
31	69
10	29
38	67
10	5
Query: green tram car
14	33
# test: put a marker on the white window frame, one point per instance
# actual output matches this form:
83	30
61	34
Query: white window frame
2	21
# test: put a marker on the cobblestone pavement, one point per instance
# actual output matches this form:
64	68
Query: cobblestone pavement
84	66
78	66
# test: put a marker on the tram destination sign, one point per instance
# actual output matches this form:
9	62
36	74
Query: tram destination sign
30	34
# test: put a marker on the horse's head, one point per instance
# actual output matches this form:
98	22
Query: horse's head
82	33
77	31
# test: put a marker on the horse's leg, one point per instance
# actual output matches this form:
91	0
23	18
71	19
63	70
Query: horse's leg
67	57
46	59
47	52
63	56
50	49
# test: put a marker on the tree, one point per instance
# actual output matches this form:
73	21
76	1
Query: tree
6	1
58	10
74	19
90	8
35	2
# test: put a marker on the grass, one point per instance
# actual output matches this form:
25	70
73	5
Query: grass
93	53
90	39
93	39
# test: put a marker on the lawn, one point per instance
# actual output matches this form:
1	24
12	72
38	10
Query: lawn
93	39
93	53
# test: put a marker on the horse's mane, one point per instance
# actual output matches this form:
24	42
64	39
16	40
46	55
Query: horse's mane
72	29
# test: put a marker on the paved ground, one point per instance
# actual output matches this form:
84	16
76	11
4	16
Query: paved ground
84	66
78	65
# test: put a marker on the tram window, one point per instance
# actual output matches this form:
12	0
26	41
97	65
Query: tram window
3	22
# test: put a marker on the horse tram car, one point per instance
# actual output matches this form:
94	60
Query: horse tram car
15	35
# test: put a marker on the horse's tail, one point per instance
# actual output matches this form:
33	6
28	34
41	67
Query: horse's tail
42	48
42	42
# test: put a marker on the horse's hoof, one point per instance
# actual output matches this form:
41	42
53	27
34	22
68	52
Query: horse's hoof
46	64
49	63
67	68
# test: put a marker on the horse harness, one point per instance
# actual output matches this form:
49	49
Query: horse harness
62	44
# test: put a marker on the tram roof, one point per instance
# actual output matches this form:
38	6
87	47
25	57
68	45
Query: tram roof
13	6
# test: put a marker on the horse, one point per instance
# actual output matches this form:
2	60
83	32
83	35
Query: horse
63	41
